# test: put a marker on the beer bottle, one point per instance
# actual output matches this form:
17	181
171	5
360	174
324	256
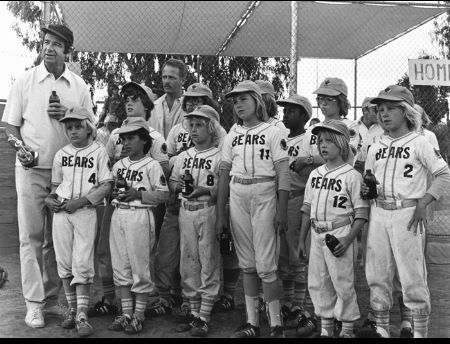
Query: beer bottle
371	183
54	98
331	241
188	183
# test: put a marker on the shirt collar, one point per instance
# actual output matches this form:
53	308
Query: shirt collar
43	73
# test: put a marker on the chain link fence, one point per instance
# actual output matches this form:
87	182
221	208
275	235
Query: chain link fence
365	76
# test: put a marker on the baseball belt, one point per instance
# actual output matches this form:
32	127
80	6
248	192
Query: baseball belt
197	206
127	206
394	205
247	181
325	226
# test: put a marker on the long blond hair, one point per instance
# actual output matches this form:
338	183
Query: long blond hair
413	117
260	107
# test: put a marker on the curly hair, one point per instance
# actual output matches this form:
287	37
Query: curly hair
344	105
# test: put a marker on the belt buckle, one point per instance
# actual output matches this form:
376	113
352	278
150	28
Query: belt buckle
247	181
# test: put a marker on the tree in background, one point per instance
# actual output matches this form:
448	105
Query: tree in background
218	72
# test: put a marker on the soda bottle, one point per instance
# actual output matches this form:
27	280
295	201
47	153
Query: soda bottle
371	183
331	241
122	183
188	183
54	98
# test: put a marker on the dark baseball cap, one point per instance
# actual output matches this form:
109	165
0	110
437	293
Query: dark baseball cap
61	31
394	93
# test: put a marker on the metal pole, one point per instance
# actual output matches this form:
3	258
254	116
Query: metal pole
199	66
46	19
356	87
293	72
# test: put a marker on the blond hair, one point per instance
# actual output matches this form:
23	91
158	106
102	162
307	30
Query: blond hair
85	124
212	125
260	107
412	116
338	139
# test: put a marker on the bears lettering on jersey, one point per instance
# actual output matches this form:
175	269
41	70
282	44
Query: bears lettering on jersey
130	175
248	140
77	161
202	164
183	137
293	150
326	183
394	153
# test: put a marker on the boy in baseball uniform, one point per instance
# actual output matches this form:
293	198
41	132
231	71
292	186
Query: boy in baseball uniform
292	268
200	254
81	178
254	167
138	105
333	205
401	161
167	257
132	233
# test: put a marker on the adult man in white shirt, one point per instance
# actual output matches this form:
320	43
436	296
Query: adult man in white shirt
167	111
31	119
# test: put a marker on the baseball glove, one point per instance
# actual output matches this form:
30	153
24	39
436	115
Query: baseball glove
3	276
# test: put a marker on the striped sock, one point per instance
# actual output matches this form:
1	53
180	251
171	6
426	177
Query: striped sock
420	326
126	300
164	294
72	300
230	281
299	293
205	308
194	305
141	304
327	327
288	291
347	327
382	320
82	303
109	290
405	313
251	305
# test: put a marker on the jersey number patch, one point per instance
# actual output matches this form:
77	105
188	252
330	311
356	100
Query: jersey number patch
92	178
210	180
408	171
339	201
264	154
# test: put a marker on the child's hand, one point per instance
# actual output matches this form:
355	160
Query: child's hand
198	191
344	243
72	205
301	249
419	219
52	203
364	190
221	226
129	195
280	222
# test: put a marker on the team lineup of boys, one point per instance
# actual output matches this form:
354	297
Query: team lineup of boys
279	189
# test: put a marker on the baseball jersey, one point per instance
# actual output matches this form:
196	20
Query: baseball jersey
158	151
279	124
295	145
354	132
77	171
145	174
252	152
401	165
203	165
430	136
333	194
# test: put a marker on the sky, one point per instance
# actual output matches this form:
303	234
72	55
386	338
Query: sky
375	71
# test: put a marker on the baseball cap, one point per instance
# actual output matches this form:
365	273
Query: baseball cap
204	111
299	100
111	119
147	90
77	112
132	124
244	86
333	125
61	31
332	87
394	93
266	87
198	90
366	102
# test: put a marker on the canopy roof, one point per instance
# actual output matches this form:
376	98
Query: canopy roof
325	30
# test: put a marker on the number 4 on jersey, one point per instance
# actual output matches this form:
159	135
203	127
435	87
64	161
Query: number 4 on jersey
92	178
